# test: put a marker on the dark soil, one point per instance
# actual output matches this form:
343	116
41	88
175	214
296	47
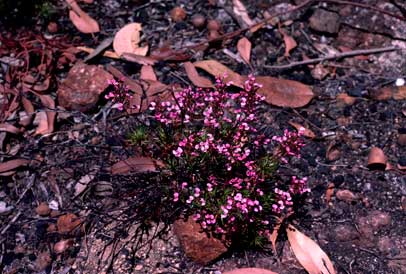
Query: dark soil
362	234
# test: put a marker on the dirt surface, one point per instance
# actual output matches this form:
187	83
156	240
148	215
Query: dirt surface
356	214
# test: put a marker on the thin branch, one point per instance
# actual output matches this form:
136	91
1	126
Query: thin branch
335	56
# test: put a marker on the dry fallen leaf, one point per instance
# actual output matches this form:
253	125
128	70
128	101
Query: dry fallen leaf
333	152
82	21
127	40
196	79
67	223
41	121
307	132
136	165
62	246
343	99
13	164
49	103
9	128
290	43
219	70
274	236
147	73
309	253
250	270
329	192
240	10
377	159
244	49
284	93
400	93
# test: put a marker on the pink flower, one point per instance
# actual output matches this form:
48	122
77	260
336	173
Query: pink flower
175	196
177	152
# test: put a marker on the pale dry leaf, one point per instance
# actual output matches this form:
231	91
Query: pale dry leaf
147	73
290	43
307	132
244	49
274	235
13	164
49	103
240	10
82	21
107	53
329	192
9	128
194	76
284	93
136	165
308	253
41	121
219	70
127	40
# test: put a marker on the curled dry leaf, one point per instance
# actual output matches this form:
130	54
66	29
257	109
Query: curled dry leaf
136	165
250	270
284	93
127	40
142	60
49	103
278	92
13	164
29	111
244	49
377	159
82	21
217	69
147	73
194	76
307	132
308	253
329	192
41	121
9	128
290	43
274	236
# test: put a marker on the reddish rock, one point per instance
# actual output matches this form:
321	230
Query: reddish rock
346	196
67	223
325	21
43	209
250	271
385	245
42	261
197	244
379	219
82	87
344	233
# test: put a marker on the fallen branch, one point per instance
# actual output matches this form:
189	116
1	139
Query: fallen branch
335	56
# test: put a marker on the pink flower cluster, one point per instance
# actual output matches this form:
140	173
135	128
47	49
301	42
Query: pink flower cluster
119	95
215	150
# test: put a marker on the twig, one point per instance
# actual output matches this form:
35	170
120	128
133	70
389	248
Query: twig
365	6
335	56
4	230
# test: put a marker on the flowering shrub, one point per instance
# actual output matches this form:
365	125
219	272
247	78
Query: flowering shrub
221	168
119	95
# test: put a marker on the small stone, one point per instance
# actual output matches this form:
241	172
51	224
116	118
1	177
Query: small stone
345	233
198	21
43	209
4	209
385	245
82	87
52	27
138	267
42	261
325	21
62	246
213	25
178	14
379	219
196	244
346	196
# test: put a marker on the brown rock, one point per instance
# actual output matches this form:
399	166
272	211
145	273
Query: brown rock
345	233
67	223
82	87
385	245
52	27
43	261
379	219
325	21
197	244
198	21
43	209
346	196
